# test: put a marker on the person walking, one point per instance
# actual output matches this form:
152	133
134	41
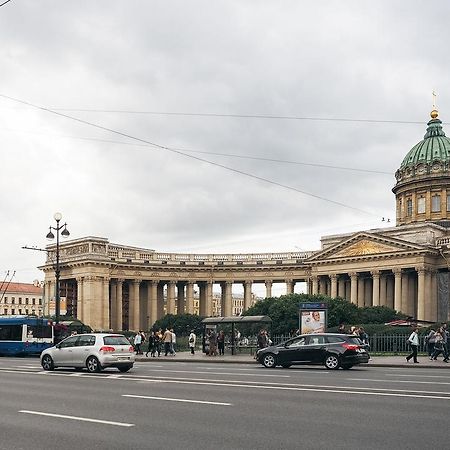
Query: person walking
167	342
137	343
192	339
430	339
438	345
445	336
151	345
221	342
213	343
413	341
173	346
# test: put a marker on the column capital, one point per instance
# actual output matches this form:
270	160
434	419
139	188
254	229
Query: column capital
266	282
333	276
397	271
136	281
353	274
120	280
375	273
247	282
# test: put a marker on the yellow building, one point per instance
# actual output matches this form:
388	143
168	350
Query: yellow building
405	267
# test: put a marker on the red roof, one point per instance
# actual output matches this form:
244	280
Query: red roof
21	288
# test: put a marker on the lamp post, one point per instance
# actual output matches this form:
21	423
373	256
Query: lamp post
51	236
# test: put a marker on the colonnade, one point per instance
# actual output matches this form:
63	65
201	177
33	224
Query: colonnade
104	302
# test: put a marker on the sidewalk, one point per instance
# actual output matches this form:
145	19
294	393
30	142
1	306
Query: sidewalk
376	361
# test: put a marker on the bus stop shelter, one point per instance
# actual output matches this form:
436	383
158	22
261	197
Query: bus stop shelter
233	320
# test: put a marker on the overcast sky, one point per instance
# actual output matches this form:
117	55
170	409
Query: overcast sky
181	75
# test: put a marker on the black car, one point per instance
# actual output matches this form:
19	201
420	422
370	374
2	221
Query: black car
331	350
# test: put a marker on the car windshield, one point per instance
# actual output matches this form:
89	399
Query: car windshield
116	340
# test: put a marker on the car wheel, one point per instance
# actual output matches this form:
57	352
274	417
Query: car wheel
286	366
332	362
269	360
93	364
347	366
47	363
125	368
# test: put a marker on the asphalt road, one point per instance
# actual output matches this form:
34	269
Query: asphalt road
170	405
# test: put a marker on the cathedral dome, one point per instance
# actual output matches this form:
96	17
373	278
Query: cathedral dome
422	190
435	146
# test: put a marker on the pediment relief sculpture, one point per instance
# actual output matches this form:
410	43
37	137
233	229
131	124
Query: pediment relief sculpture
364	247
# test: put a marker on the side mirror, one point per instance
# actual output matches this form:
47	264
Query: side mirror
58	346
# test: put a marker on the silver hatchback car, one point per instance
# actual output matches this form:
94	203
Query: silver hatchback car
95	351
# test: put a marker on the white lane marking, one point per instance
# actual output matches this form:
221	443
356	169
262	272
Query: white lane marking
76	374
393	393
421	376
399	381
219	373
177	400
81	419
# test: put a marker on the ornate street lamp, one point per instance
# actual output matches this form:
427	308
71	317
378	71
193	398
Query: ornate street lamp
65	233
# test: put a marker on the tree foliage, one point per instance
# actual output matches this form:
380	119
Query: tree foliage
284	312
182	324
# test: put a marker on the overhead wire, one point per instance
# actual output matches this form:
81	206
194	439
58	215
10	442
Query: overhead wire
231	155
4	3
163	147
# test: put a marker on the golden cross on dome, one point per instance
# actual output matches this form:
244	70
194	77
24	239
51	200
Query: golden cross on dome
434	99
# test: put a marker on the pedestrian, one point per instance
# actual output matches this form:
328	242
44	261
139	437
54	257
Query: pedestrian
158	342
341	328
439	346
221	342
167	342
173	346
137	343
151	345
213	343
262	340
445	337
430	339
192	339
413	341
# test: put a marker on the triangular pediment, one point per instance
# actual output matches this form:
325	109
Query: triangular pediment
366	244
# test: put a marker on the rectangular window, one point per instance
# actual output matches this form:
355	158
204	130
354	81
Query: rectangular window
435	203
33	301
20	300
11	333
448	203
13	300
409	207
421	205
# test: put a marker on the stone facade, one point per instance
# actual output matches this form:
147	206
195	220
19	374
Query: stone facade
406	267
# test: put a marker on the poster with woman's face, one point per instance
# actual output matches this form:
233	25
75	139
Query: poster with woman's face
313	322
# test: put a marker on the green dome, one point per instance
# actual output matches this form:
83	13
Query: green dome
435	146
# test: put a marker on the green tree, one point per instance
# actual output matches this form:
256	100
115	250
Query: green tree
182	324
284	312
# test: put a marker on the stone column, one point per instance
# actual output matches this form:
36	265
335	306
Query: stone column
421	284
315	284
383	289
228	299
247	294
190	297
432	308
322	285
289	287
223	298
92	304
406	295
202	299
341	287
354	287
171	297
160	300
361	300
397	289
180	297
209	298
268	284
119	316
333	278
134	307
113	312
106	316
152	302
375	287
79	298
